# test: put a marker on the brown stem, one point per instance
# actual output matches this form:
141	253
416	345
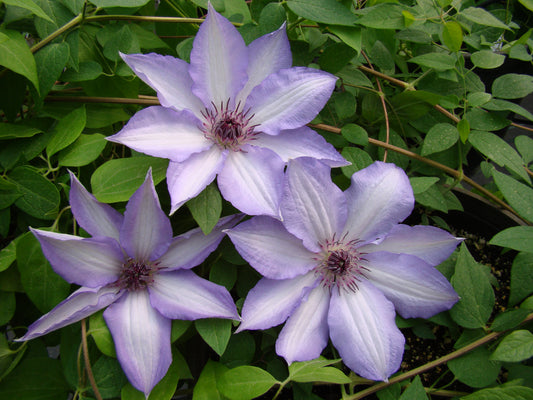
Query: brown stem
88	361
115	100
526	128
409	374
450	171
381	75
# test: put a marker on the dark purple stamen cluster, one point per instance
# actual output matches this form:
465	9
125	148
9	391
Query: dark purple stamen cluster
341	265
228	128
135	275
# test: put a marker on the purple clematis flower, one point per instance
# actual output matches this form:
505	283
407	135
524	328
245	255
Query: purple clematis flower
133	265
340	264
236	111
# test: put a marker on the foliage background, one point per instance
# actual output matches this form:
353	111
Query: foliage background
431	85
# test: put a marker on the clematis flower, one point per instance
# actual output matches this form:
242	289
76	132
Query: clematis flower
133	266
236	111
340	264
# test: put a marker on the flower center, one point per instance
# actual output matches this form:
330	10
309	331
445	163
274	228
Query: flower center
136	275
341	265
229	129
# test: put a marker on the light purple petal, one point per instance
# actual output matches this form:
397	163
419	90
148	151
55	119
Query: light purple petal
142	339
270	249
90	262
305	333
379	197
219	58
301	142
267	54
165	133
271	301
190	249
252	181
431	244
289	98
184	295
362	329
416	289
169	77
187	179
146	232
313	207
96	218
80	304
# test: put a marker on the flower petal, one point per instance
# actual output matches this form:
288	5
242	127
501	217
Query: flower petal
267	55
90	262
301	142
431	244
146	232
142	339
416	289
190	249
187	179
380	196
271	301
169	77
219	58
270	249
313	207
165	133
184	295
97	218
80	304
289	98
305	333
252	180
362	329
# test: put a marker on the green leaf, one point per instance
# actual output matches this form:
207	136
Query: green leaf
432	197
83	151
206	208
422	183
206	387
102	336
512	86
472	285
484	121
43	286
515	347
439	138
359	159
475	368
8	255
50	62
476	99
504	105
499	151
223	273
349	35
383	16
316	370
463	126
517	238
518	195
117	39
109	377
40	197
7	306
100	115
527	4
17	131
88	70
521	277
482	17
509	319
245	382
452	35
415	391
502	393
119	3
66	131
240	350
164	390
324	11
524	144
16	56
345	104
116	180
335	57
437	61
45	376
58	13
28	5
487	59
216	332
355	134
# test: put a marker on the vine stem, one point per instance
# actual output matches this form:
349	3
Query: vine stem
88	361
450	171
409	374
